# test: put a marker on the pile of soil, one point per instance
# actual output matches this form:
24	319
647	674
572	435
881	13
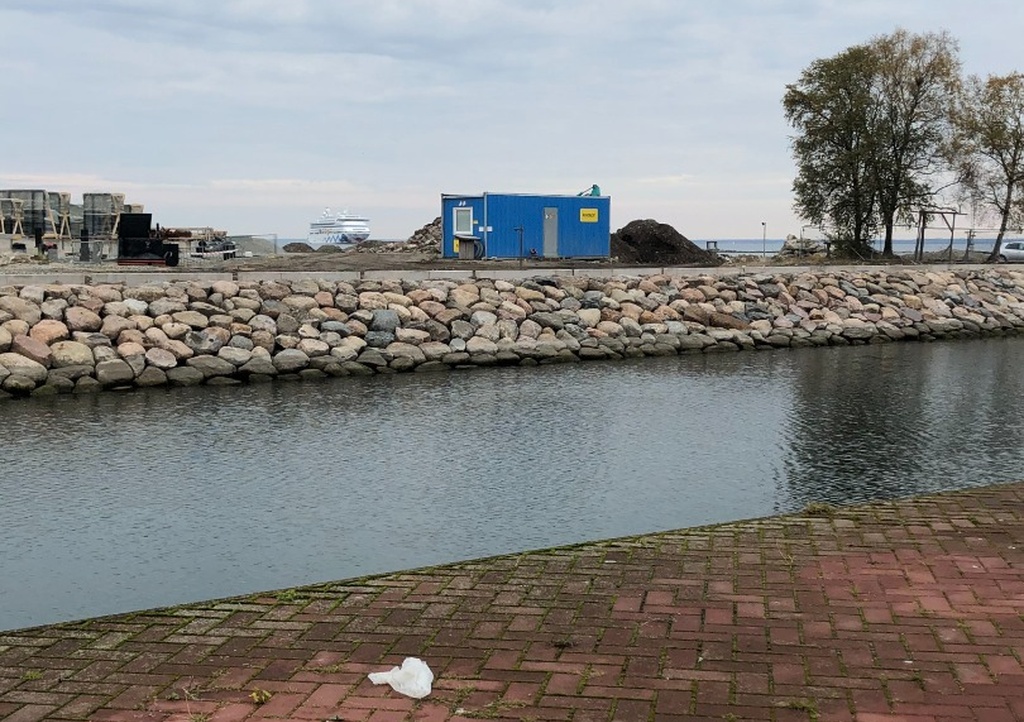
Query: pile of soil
297	248
650	242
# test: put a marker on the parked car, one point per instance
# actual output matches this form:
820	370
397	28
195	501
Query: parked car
1011	251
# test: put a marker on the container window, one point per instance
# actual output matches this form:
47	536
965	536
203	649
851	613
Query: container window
464	220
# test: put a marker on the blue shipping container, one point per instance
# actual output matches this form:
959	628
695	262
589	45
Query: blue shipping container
511	225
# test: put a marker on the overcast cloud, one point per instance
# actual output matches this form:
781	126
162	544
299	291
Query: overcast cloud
252	115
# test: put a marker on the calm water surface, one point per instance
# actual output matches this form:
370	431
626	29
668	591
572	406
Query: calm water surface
112	503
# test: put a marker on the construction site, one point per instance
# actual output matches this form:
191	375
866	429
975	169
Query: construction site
102	228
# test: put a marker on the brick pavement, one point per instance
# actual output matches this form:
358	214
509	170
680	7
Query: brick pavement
900	611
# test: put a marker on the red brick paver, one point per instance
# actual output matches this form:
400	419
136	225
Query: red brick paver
910	611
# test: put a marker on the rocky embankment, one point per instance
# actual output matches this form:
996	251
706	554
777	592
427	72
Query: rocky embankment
79	338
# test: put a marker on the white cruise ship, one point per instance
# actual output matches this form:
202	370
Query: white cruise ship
338	228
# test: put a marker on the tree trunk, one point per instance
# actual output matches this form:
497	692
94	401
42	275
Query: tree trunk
887	248
1004	219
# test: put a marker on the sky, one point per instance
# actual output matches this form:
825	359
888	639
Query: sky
252	116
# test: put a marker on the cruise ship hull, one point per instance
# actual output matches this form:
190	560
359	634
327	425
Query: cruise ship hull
343	229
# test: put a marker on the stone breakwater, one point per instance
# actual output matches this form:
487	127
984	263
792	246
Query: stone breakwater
80	338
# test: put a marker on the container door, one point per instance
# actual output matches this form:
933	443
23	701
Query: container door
551	233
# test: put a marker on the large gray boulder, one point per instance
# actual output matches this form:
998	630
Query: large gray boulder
165	306
17	384
114	372
81	319
73	373
261	322
90	338
287	323
184	376
19	365
385	320
151	376
136	307
53	308
379	339
407	351
34	294
87	385
149	294
113	326
56	383
206	341
161	358
21	309
235	356
195	319
227	289
211	366
299	305
258	366
290	361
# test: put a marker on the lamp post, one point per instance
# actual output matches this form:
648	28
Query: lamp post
764	240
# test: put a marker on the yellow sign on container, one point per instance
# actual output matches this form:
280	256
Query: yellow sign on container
588	215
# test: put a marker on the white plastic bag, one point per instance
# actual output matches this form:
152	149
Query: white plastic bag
412	679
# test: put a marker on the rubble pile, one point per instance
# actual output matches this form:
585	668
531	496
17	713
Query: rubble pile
648	241
425	240
794	246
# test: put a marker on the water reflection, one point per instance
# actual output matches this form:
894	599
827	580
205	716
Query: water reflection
883	422
116	502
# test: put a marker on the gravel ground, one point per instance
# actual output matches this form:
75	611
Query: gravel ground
334	262
306	262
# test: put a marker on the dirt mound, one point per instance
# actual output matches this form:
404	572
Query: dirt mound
330	248
297	248
647	241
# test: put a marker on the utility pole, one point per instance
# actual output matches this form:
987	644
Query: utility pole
764	240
